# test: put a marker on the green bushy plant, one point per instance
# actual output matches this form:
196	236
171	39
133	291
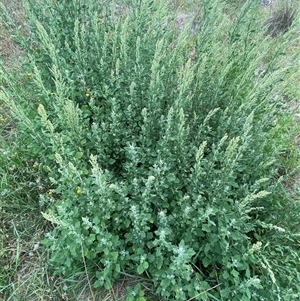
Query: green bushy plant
157	146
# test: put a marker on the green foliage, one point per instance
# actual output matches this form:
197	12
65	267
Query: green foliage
158	150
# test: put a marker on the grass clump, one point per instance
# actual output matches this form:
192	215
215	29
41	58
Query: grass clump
158	148
282	17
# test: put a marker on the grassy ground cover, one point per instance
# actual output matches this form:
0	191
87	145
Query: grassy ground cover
159	142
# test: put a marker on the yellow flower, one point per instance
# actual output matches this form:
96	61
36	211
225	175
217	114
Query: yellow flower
52	93
29	74
34	165
50	192
78	190
87	94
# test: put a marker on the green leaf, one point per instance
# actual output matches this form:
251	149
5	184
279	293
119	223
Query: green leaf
234	273
111	161
206	262
108	284
159	263
97	283
91	238
117	268
151	258
204	297
145	265
68	262
140	269
114	255
165	283
246	298
171	177
225	275
106	271
206	227
248	293
78	155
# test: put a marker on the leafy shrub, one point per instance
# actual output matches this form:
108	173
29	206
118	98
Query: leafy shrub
158	148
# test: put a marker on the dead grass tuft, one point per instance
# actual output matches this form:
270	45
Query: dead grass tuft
10	51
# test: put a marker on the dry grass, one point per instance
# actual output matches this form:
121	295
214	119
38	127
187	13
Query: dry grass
10	51
283	14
